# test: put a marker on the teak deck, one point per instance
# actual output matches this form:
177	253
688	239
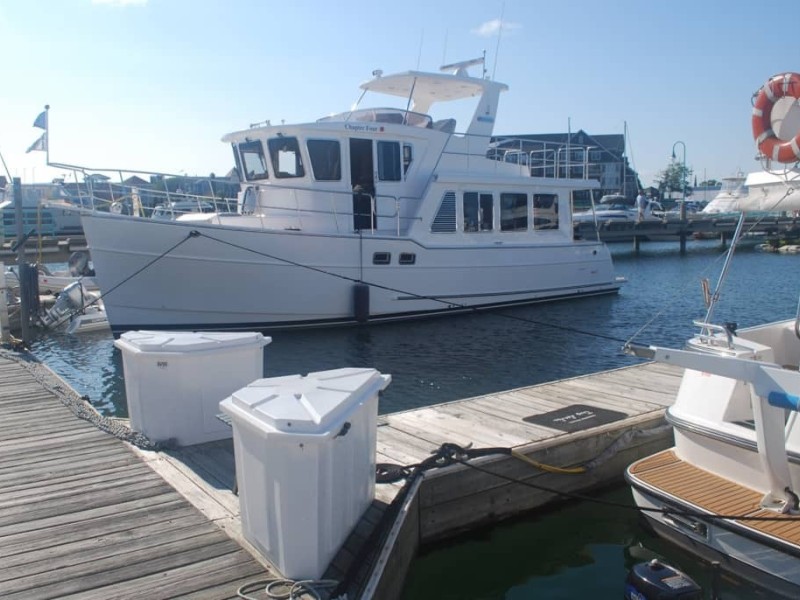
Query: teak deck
82	515
710	492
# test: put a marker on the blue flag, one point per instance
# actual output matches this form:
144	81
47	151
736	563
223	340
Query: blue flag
41	120
40	144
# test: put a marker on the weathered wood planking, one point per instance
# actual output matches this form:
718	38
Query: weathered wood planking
81	516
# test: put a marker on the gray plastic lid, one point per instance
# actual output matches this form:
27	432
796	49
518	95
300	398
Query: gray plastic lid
187	341
308	404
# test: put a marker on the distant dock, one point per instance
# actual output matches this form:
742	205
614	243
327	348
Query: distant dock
50	249
66	481
694	226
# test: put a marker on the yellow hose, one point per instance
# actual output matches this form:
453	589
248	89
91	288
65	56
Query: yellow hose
548	468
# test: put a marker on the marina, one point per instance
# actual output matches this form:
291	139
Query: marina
450	499
393	353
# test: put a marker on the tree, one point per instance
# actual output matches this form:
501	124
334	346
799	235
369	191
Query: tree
675	178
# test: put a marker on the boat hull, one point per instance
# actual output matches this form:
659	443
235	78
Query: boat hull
741	553
188	275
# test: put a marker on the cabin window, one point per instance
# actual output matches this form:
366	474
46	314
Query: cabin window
513	212
478	212
389	161
545	211
381	258
445	219
253	160
326	159
407	258
408	157
284	152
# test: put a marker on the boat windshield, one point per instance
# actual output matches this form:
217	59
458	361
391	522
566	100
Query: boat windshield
394	116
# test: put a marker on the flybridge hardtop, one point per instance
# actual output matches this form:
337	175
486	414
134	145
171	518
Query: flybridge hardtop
422	90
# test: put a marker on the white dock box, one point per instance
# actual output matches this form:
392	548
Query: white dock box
305	463
174	380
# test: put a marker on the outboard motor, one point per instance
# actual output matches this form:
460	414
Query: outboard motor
72	300
654	580
79	265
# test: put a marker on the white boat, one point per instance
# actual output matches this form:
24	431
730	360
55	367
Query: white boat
369	215
728	489
54	281
47	208
78	308
616	208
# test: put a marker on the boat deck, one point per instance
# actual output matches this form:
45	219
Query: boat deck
707	491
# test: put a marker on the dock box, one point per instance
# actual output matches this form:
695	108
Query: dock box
305	463
174	381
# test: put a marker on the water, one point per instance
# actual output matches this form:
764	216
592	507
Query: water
451	358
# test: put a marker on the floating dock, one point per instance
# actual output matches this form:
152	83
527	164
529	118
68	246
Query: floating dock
84	513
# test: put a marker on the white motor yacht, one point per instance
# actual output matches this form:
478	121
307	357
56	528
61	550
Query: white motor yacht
372	214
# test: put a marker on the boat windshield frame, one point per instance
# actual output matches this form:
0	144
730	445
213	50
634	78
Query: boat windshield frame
388	116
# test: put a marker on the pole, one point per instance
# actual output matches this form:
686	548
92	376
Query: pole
683	196
23	284
5	328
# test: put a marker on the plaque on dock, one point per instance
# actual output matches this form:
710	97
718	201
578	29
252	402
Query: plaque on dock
575	417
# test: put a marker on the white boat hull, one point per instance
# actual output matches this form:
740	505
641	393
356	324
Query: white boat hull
165	276
739	550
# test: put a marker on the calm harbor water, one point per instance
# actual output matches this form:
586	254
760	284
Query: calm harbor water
550	556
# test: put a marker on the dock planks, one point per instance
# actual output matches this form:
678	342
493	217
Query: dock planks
83	517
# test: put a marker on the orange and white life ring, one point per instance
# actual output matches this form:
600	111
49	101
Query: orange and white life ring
785	85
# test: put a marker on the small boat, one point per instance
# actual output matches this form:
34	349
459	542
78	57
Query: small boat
727	200
728	489
616	208
54	282
374	214
77	308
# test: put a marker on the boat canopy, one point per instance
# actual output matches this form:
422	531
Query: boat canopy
425	89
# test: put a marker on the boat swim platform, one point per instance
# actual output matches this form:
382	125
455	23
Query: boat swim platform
708	492
69	489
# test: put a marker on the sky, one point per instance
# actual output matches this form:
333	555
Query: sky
154	84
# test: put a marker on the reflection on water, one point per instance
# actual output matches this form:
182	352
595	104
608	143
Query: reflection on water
580	550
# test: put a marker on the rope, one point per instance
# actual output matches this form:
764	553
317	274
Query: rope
287	589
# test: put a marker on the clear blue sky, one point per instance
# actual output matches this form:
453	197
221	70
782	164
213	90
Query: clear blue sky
154	84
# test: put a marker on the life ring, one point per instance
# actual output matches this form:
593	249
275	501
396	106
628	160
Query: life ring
785	85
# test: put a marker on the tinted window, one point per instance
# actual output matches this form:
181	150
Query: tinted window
284	152
389	168
326	159
253	161
513	212
478	211
545	211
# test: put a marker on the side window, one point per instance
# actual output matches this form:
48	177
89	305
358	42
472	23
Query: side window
326	159
389	161
545	211
478	212
253	160
284	152
513	212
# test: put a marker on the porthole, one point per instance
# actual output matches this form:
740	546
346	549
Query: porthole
381	258
407	258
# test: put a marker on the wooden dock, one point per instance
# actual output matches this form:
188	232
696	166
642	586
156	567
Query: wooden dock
82	516
47	249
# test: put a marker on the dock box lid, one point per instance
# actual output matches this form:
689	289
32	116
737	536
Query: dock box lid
188	341
309	404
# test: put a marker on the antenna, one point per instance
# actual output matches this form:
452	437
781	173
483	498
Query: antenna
499	35
419	53
444	50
